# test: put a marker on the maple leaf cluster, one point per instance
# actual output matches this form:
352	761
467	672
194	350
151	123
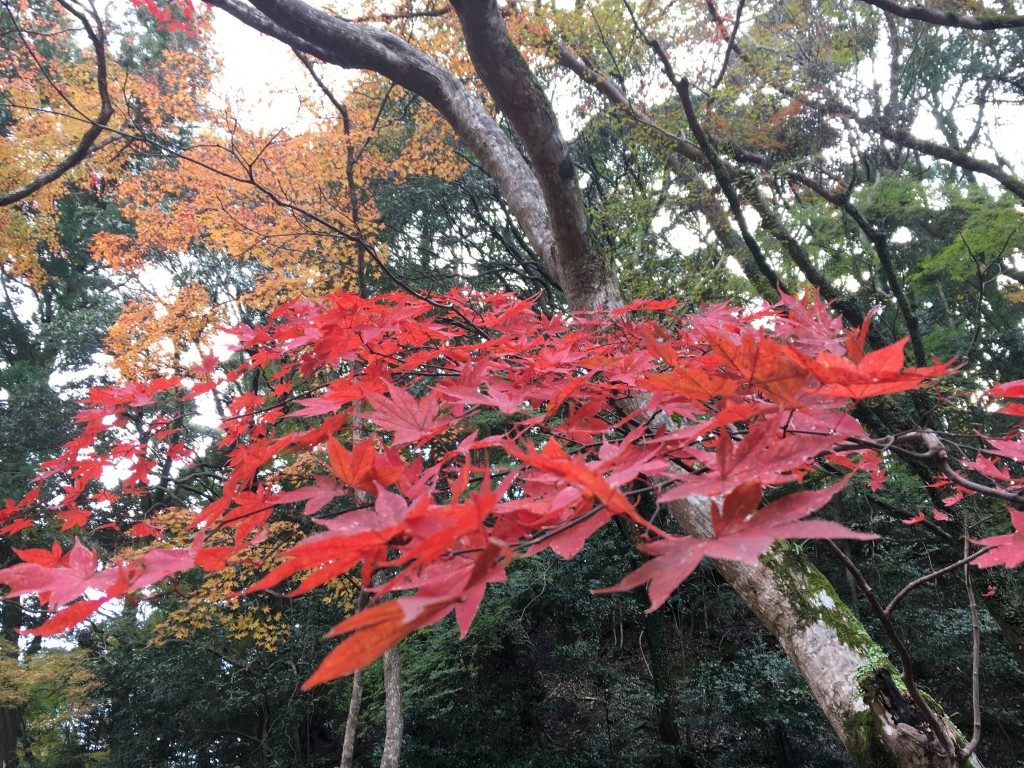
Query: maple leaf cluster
176	16
436	439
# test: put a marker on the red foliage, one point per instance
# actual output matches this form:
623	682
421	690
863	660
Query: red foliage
458	433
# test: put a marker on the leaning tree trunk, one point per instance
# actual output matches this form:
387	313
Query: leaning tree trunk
859	689
851	677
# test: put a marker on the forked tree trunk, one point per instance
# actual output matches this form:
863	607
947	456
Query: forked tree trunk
851	677
394	722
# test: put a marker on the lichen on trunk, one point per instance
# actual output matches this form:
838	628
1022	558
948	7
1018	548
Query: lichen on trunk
851	676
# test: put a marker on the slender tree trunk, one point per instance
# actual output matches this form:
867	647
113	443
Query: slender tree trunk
663	679
355	703
11	618
780	747
10	728
394	722
348	745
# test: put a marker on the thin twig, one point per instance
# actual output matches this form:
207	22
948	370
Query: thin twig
96	126
932	576
965	753
732	44
901	649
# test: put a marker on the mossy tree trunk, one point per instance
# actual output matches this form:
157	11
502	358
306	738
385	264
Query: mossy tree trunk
859	689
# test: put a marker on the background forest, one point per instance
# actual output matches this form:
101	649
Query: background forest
854	151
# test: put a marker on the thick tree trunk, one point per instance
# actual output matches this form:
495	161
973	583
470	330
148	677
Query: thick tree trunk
585	277
358	46
859	689
851	677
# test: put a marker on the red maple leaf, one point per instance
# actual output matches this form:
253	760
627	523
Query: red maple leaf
355	468
741	533
1008	389
773	368
763	455
877	373
1008	548
67	618
410	420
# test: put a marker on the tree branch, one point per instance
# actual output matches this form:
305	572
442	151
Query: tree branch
358	46
982	22
585	277
901	649
97	125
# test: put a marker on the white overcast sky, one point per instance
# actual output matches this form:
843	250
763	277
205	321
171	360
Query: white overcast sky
259	74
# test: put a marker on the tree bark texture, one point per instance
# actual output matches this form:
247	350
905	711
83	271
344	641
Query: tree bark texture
584	276
394	722
357	46
852	679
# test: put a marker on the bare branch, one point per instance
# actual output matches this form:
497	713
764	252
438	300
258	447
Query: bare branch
731	45
981	22
94	29
931	577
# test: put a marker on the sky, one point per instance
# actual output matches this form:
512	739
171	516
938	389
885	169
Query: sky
258	76
256	69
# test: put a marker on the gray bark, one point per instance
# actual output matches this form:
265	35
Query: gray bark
357	46
585	277
852	679
394	722
348	745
